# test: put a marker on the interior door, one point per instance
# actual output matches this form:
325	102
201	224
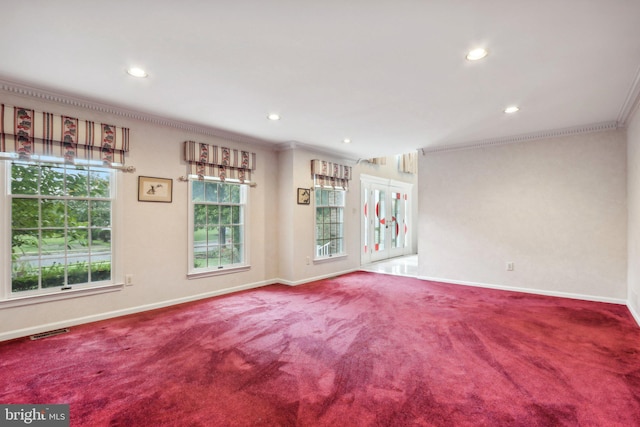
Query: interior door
385	221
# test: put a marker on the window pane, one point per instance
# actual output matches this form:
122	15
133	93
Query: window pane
100	214
24	179
25	277
218	230
235	194
77	213
54	242
78	272
197	191
52	183
199	235
225	214
53	275
24	213
213	235
329	222
53	213
101	270
77	241
235	214
213	214
99	183
200	214
211	192
25	244
78	182
100	240
237	234
213	257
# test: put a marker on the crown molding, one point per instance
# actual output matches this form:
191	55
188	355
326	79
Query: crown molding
553	133
632	101
296	145
25	90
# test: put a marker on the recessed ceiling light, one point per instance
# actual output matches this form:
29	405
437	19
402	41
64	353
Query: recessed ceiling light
346	141
511	110
477	54
137	72
273	116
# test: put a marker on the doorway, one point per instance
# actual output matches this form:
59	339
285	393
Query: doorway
386	219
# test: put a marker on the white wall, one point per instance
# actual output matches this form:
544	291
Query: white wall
556	208
633	157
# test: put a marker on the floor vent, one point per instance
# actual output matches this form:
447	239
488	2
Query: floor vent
49	334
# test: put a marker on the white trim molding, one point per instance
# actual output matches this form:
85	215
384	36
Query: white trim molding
631	102
46	95
528	290
132	310
534	136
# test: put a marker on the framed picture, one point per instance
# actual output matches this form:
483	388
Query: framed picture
304	196
154	189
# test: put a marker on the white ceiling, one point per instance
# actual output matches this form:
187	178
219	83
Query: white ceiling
390	75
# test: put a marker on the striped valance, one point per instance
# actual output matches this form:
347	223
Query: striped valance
27	132
218	162
333	174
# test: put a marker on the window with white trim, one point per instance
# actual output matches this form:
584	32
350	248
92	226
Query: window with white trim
329	205
60	223
217	226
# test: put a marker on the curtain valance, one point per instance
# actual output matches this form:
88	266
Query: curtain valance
27	132
408	163
327	173
220	162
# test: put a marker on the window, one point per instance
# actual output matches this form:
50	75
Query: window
217	220
329	222
60	226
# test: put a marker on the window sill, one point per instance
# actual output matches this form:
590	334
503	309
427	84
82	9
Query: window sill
61	295
218	272
329	258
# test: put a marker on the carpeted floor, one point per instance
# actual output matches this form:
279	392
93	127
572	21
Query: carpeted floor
358	350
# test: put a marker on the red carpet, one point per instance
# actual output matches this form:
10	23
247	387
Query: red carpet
358	350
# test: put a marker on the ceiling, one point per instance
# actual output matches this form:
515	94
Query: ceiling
390	75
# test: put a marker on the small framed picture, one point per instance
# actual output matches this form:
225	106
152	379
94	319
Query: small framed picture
155	189
304	196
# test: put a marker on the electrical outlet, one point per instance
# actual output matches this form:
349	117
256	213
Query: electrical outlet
308	260
510	266
128	279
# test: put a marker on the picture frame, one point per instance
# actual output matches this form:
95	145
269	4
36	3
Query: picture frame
152	189
304	196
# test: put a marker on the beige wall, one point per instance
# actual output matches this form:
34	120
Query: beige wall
297	225
155	242
633	156
155	234
556	208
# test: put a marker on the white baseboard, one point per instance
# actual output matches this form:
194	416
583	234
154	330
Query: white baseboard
528	290
313	279
117	313
132	310
634	313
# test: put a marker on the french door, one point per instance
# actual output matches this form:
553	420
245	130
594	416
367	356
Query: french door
386	219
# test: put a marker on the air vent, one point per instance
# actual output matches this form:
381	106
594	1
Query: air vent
49	334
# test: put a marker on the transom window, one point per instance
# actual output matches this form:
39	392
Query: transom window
218	225
329	204
61	226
